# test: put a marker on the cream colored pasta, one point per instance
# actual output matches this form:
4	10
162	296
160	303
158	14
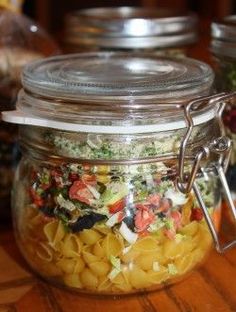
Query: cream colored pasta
67	265
172	249
98	250
112	245
139	279
48	268
158	277
72	280
145	261
121	283
89	237
103	229
100	268
54	232
71	246
190	229
79	266
44	252
147	243
104	284
130	256
89	257
89	279
85	260
185	263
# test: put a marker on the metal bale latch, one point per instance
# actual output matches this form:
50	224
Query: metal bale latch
221	147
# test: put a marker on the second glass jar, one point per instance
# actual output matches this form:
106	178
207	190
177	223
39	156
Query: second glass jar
133	29
223	47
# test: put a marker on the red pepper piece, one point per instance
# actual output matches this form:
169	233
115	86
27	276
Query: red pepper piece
37	199
117	206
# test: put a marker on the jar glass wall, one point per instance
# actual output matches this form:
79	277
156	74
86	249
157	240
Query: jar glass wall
111	229
161	31
97	201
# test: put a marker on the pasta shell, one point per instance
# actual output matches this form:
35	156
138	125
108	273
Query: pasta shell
158	277
71	246
88	279
146	244
89	237
100	268
44	252
139	279
66	265
98	250
112	245
54	232
72	280
89	257
104	284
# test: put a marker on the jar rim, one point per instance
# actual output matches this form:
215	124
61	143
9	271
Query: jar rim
223	34
117	27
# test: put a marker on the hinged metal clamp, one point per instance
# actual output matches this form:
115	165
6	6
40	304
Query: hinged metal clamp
221	147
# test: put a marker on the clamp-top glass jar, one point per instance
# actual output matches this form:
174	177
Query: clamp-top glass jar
121	169
223	47
130	29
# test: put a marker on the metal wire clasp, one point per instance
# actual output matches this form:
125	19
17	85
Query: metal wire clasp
220	146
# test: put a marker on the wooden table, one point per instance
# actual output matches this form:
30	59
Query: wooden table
212	288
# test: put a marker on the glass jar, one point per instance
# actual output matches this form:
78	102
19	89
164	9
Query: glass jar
21	41
120	172
130	29
223	47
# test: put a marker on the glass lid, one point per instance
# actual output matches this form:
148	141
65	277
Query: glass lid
120	76
112	93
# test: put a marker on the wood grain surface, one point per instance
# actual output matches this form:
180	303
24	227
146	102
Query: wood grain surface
211	288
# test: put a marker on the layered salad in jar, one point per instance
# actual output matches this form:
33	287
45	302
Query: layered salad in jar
110	227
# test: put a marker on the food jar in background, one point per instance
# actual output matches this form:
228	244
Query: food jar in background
117	191
223	47
21	41
130	29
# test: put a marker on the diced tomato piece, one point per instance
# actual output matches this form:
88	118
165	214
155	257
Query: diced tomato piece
196	214
117	206
89	179
176	216
73	176
143	219
154	199
142	207
79	191
164	205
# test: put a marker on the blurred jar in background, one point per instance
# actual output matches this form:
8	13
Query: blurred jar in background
223	47
130	29
21	41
